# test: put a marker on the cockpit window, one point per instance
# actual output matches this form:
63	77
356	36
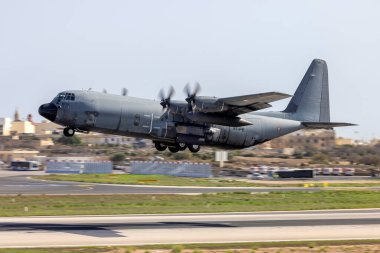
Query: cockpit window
60	97
65	96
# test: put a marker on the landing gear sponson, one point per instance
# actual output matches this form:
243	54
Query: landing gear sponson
194	148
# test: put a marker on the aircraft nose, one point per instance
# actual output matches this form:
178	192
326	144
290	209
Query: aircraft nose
48	111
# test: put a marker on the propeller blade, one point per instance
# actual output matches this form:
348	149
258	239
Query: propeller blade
124	92
197	89
161	94
187	90
171	92
190	99
165	100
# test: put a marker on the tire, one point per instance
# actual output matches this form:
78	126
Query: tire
68	132
173	149
181	146
194	148
159	146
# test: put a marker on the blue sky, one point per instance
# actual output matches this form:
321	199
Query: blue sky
231	47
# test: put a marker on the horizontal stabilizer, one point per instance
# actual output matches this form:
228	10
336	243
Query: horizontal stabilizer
325	125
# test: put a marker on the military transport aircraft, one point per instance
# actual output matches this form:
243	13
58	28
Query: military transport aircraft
232	122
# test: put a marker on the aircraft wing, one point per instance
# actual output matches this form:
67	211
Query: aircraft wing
254	102
247	100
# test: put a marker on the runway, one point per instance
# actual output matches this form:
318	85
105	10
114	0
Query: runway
189	228
13	183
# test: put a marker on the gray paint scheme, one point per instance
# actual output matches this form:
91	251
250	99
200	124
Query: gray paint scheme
311	99
145	118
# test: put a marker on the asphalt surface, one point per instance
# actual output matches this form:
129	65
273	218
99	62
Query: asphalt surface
14	183
189	228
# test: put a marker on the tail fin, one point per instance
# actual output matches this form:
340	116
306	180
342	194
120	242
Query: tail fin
310	102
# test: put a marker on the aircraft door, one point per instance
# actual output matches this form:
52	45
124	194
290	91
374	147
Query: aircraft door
141	123
64	113
159	127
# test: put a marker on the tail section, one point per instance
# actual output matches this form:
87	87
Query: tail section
310	102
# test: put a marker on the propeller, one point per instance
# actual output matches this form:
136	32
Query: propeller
165	100
190	99
124	92
104	91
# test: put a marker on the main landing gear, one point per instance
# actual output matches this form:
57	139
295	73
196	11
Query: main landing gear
194	148
160	146
68	132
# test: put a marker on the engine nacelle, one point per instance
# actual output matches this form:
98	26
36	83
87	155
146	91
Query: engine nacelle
209	104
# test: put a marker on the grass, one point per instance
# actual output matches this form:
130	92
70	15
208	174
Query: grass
196	247
184	181
157	204
145	180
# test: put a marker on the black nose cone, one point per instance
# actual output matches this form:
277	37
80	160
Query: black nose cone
48	111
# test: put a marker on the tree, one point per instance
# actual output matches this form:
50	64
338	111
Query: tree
320	158
74	140
118	157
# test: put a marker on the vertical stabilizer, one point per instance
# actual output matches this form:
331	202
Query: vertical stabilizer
310	102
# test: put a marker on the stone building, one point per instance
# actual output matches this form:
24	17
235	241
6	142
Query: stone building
306	139
5	126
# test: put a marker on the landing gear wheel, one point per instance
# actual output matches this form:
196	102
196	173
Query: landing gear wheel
68	132
173	149
181	146
159	146
194	148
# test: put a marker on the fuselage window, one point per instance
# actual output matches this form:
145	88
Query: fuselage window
136	122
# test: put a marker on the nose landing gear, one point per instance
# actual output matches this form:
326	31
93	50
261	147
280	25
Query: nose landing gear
68	132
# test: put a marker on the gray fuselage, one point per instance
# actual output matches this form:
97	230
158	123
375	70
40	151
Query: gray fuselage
145	118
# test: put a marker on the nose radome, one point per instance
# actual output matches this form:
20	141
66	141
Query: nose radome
48	111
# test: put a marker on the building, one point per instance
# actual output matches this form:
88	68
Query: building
306	139
178	169
46	128
102	139
22	127
344	141
17	155
5	126
374	142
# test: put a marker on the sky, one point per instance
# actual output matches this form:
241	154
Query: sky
231	48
